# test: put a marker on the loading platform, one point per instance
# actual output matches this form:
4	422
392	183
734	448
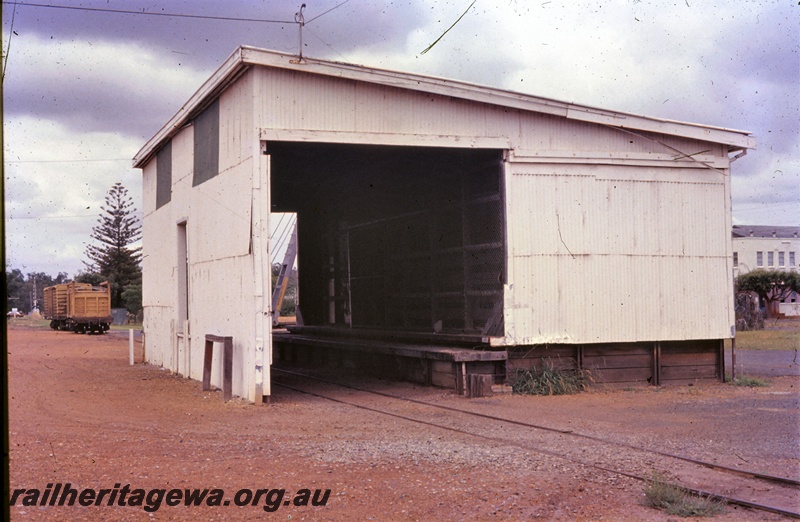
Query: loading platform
442	360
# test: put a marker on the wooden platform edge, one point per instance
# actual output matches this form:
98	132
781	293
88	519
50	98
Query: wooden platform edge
440	353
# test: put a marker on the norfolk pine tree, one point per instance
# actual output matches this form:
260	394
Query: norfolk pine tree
111	256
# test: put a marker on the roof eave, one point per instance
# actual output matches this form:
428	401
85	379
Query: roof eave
226	74
736	139
245	56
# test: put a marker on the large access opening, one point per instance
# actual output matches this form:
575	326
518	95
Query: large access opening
395	239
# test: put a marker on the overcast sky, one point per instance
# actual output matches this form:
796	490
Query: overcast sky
84	89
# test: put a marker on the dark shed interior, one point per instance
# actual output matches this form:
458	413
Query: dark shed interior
395	238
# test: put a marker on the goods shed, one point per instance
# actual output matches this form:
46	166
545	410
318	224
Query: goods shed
467	227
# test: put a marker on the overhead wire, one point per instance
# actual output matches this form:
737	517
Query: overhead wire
51	217
173	15
67	160
285	237
278	244
326	44
277	226
282	239
10	34
300	22
148	13
326	12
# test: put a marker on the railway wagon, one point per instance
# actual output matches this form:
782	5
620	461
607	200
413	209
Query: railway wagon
55	304
79	307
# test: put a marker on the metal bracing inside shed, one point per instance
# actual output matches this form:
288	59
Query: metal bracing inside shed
396	238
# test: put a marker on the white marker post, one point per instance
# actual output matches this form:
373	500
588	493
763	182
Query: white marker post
130	345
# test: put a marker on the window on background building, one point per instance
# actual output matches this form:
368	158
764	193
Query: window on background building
791	259
770	258
781	258
736	259
759	258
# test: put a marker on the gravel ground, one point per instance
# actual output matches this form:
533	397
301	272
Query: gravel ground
765	363
80	414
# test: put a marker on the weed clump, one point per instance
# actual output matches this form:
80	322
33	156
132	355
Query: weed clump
674	500
550	381
750	382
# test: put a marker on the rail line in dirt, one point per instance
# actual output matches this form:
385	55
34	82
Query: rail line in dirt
736	486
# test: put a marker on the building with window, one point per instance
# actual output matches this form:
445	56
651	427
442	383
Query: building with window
760	247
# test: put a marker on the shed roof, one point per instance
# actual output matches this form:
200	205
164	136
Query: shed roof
245	57
763	231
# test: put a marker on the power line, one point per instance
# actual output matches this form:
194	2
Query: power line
328	11
277	226
448	29
10	34
68	160
326	43
51	217
146	13
281	239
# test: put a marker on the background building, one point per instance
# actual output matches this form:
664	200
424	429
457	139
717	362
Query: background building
767	248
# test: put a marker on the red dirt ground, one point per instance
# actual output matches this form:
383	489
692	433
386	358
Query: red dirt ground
80	414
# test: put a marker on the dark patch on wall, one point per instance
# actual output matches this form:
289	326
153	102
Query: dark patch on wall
164	175
206	144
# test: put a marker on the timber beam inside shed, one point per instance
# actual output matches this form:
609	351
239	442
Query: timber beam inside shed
431	364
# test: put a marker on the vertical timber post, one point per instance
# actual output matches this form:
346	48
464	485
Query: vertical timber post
657	363
130	346
207	356
227	368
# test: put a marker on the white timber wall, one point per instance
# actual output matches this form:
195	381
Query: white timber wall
223	295
616	254
612	235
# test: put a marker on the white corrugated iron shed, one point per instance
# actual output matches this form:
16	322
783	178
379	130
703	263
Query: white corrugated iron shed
614	227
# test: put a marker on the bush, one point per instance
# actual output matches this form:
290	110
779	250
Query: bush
750	382
675	500
748	312
549	381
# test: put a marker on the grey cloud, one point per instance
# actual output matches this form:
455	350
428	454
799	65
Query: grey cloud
204	43
104	102
86	105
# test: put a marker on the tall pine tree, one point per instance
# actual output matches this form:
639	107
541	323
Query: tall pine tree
118	227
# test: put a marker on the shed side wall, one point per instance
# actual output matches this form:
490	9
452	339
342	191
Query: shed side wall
218	219
606	253
613	235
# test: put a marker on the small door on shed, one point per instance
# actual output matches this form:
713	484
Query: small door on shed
262	276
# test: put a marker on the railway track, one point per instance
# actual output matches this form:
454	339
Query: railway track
734	486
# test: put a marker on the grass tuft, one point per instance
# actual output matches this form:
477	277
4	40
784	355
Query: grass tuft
549	381
674	500
750	382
